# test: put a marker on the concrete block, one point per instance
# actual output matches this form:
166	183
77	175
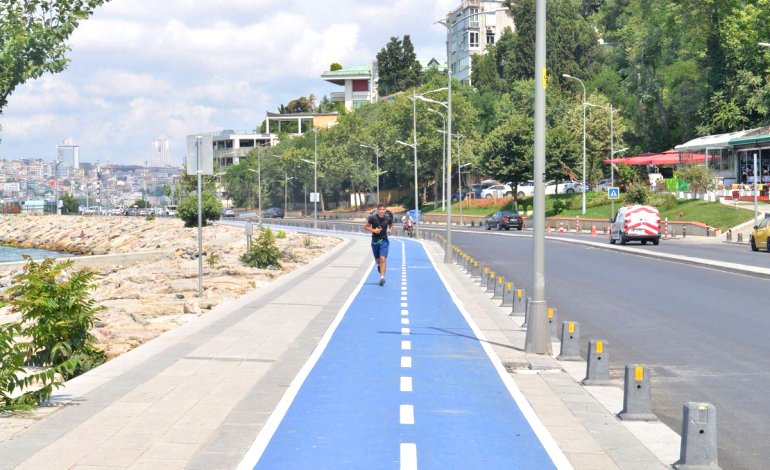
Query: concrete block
637	397
499	287
507	295
598	364
699	437
570	341
519	302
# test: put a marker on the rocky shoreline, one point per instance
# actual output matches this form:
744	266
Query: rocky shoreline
143	298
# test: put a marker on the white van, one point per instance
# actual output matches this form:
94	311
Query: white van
636	223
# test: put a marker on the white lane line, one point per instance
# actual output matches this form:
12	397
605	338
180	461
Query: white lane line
403	299
406	384
405	331
406	362
408	456
404	304
259	445
404	321
407	414
404	312
406	345
556	454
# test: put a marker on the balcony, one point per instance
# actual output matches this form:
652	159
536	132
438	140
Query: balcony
337	96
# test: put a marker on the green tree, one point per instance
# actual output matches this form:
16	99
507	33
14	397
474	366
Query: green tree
33	38
397	66
335	66
506	153
484	74
141	204
188	209
70	204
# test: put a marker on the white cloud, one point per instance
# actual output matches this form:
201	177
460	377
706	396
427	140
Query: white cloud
142	69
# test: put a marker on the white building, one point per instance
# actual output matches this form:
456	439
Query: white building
360	84
230	146
160	156
472	35
68	154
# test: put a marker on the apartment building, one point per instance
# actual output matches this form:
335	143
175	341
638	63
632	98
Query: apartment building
474	26
359	82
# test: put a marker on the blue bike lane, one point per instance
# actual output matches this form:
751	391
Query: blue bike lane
401	380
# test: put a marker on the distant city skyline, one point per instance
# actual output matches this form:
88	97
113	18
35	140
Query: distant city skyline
142	69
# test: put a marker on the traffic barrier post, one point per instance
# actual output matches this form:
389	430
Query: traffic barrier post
598	364
561	227
570	341
519	303
577	224
507	295
491	282
593	230
637	398
552	321
698	449
499	287
484	276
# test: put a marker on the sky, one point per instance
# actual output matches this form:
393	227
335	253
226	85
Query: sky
142	70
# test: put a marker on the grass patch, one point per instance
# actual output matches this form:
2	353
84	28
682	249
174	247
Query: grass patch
714	214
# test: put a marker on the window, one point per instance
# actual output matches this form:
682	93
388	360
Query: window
473	21
473	39
490	38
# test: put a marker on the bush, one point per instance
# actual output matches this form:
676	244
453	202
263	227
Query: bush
665	201
637	194
700	177
188	209
59	314
264	253
149	217
281	234
559	205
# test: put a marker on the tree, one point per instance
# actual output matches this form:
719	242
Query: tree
484	72
506	153
335	66
69	204
397	66
33	36
188	209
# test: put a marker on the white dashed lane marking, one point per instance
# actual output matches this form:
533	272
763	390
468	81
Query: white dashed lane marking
408	456
405	331
406	384
406	362
406	345
404	321
407	414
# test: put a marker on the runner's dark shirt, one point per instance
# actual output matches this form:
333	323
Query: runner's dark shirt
384	222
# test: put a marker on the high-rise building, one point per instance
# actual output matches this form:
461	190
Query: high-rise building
475	26
159	154
68	154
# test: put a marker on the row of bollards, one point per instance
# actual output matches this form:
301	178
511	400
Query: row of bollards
698	449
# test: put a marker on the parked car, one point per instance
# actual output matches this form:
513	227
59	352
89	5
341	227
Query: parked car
476	189
228	212
525	189
635	223
273	213
171	211
563	187
505	220
497	190
602	185
760	236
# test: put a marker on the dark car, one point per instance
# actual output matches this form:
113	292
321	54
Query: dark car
273	212
505	220
475	191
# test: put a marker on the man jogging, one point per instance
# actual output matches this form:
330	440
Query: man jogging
380	225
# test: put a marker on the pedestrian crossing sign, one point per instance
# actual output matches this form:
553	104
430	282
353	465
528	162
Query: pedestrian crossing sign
613	192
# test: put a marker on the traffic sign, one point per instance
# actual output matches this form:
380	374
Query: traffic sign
413	216
613	192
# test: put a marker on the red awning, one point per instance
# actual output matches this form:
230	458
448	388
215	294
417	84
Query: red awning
669	157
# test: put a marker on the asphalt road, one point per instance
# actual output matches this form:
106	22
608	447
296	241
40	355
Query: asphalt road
704	333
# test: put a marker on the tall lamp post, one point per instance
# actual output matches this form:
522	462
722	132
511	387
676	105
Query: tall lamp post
416	202
315	176
460	184
443	159
566	75
449	24
612	112
377	164
285	188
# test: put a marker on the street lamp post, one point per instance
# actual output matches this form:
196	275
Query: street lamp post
285	189
416	204
460	183
612	112
377	164
443	160
566	75
449	25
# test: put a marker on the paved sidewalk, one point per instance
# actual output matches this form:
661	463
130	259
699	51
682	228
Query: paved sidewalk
197	396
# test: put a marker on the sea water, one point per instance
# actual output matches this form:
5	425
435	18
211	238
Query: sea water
10	254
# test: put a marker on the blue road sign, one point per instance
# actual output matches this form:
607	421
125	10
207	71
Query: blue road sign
414	217
613	192
403	381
